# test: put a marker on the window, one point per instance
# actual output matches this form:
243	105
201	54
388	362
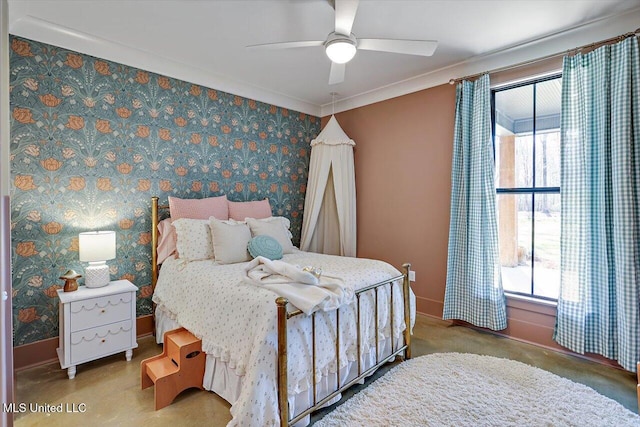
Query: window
526	123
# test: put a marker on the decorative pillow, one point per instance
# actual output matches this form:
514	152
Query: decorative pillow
194	239
230	241
257	209
166	240
284	221
265	246
199	208
275	229
275	219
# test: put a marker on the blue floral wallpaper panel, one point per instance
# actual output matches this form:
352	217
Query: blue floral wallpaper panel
93	140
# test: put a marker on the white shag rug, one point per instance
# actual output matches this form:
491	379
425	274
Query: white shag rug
454	389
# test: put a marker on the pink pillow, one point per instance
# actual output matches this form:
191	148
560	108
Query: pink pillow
199	208
167	238
257	209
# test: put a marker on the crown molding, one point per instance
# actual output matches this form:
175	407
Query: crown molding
591	32
48	32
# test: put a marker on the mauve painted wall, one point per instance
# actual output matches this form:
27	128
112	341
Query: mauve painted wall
403	184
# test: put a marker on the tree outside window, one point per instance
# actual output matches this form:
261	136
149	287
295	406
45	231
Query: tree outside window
527	153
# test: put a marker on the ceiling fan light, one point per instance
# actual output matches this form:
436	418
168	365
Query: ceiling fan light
340	51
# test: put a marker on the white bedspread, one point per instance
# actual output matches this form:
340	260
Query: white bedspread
237	324
303	289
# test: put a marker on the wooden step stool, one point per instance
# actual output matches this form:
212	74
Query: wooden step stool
179	367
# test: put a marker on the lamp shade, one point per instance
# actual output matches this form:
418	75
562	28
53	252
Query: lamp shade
97	246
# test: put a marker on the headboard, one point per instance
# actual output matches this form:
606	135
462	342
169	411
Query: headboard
155	220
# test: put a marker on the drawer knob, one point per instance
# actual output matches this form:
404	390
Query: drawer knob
103	310
103	340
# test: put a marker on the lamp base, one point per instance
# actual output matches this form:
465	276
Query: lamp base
97	276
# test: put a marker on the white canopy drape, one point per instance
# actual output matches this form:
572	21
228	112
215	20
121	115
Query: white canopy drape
329	224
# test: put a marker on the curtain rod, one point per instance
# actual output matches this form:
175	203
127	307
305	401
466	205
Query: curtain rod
553	55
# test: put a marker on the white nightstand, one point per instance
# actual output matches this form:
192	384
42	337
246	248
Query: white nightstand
96	322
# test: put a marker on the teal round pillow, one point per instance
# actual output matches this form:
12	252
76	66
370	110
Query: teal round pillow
265	246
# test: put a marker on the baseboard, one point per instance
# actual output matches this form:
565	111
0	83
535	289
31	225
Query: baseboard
528	323
34	354
144	325
429	307
44	351
555	347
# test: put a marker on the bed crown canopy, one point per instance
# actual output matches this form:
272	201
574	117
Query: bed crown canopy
332	134
329	224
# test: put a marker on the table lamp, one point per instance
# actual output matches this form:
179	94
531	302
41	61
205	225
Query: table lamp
96	247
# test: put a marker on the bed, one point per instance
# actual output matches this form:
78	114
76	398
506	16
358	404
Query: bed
270	360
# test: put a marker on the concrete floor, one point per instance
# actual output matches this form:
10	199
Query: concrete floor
110	387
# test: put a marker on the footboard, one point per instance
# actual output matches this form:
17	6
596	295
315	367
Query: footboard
284	316
363	370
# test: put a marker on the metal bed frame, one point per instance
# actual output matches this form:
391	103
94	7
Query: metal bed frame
284	315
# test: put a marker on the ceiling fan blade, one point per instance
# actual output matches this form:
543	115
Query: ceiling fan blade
409	47
345	14
286	45
336	75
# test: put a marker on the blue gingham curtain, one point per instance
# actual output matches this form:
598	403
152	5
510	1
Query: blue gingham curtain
598	306
474	284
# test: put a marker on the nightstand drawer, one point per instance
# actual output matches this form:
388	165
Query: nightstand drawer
93	312
92	343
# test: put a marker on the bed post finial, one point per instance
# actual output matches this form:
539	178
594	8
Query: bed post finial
283	402
406	290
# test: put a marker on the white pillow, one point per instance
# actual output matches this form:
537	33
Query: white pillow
282	219
230	241
193	238
275	229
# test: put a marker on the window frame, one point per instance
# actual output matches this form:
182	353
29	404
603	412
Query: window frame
533	190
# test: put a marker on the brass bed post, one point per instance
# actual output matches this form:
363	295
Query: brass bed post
406	286
154	256
154	242
283	402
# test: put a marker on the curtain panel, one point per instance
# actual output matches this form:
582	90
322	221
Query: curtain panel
474	284
599	302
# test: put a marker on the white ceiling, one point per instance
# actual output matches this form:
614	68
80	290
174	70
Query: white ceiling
204	41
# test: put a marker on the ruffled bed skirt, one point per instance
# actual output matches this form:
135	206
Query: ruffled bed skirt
222	380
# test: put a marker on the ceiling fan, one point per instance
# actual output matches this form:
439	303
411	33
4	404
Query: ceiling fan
341	45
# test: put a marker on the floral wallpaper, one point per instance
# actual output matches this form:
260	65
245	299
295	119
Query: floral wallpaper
93	140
